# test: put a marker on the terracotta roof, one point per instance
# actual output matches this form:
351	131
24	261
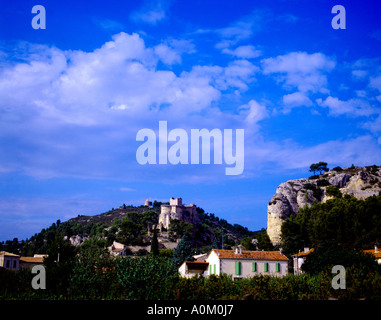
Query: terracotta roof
253	255
303	254
377	254
32	259
5	253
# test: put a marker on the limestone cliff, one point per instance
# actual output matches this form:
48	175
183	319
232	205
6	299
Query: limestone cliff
290	196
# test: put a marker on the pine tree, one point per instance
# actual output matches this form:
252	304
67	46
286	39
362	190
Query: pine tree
183	252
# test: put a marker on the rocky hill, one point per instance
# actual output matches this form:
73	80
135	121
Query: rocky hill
132	226
290	196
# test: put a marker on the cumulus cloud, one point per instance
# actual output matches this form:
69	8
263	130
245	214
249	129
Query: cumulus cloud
295	99
76	113
352	107
306	72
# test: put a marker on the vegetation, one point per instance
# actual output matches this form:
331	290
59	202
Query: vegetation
346	221
319	167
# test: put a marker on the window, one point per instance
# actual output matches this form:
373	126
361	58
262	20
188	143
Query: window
14	264
238	268
254	267
214	269
277	267
7	264
266	267
210	269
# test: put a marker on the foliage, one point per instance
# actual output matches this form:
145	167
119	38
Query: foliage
333	191
94	275
59	264
146	278
179	228
326	256
320	167
154	244
263	241
350	222
183	252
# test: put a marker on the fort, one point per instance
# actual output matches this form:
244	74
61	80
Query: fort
177	210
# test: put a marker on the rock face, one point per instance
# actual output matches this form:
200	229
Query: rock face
292	195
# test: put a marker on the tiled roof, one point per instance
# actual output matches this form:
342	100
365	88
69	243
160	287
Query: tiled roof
377	254
32	259
252	255
5	253
303	254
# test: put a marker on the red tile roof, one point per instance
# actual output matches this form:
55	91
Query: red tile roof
252	255
303	254
32	259
377	254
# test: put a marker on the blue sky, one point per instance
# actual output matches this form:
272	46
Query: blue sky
74	95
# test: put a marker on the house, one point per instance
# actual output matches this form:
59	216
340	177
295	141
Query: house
9	261
117	249
30	262
299	258
376	253
243	263
193	268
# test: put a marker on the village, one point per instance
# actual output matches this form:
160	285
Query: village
237	262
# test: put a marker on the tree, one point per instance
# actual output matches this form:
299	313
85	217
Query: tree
59	263
154	244
183	252
320	167
264	242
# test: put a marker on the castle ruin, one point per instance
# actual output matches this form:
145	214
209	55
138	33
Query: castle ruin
176	210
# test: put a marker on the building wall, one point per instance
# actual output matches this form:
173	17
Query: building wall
9	262
228	266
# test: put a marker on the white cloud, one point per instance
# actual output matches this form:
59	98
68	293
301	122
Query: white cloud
375	82
245	52
296	99
254	112
352	107
301	70
76	113
152	12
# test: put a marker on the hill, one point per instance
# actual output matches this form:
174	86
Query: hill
132	226
292	195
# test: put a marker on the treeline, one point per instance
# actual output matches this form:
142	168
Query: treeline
93	274
345	221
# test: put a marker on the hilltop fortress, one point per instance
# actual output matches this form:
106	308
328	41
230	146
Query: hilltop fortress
176	210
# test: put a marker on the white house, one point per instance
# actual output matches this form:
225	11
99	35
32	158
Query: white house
9	260
299	258
117	249
242	263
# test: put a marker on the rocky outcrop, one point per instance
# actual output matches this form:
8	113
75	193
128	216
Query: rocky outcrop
292	195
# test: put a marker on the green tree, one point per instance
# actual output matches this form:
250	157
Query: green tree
263	241
59	263
147	278
319	167
155	244
183	252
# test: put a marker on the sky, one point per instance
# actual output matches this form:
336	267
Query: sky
74	95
